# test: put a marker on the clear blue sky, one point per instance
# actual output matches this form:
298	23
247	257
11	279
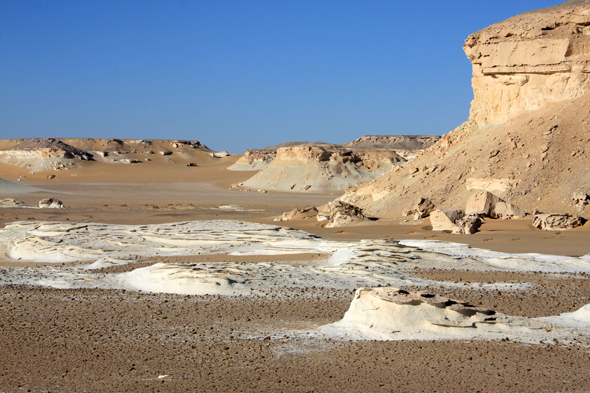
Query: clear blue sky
238	74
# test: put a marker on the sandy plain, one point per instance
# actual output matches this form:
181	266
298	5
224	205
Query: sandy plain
93	339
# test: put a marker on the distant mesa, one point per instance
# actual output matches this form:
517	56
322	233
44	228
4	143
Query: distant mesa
323	167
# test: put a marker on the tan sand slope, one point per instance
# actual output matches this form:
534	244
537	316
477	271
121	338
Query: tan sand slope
11	188
527	138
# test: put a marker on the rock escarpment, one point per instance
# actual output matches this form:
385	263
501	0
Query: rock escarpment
527	139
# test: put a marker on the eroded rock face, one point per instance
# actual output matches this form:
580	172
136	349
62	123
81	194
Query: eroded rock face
529	60
556	222
340	214
51	203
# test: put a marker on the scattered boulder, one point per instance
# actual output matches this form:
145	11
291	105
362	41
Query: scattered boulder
129	161
339	214
51	203
299	213
455	221
581	199
422	209
191	164
50	177
488	204
556	222
11	202
165	152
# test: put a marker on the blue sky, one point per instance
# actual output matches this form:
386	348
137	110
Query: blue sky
241	74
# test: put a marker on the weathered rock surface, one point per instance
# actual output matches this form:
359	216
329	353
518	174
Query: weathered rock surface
51	203
490	205
340	214
526	139
455	221
556	222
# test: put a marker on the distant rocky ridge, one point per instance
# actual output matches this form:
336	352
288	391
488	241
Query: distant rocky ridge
51	154
323	167
405	146
527	139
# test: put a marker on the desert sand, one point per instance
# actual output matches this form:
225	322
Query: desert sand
266	324
155	265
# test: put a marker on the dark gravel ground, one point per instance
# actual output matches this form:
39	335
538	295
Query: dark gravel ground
91	340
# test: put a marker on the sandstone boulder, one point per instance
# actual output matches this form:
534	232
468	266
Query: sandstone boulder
339	214
490	205
455	221
556	222
51	203
299	213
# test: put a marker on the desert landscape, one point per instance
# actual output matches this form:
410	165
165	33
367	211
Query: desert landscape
412	263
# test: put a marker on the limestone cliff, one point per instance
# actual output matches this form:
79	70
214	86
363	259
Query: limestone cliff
527	139
529	60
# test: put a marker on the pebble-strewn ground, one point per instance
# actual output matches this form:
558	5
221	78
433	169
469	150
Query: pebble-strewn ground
108	340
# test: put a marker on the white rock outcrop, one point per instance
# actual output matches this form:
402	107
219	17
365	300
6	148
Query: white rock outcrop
391	313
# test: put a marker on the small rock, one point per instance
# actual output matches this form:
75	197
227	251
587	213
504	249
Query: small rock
51	203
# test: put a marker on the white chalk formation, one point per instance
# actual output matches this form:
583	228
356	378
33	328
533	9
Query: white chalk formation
395	314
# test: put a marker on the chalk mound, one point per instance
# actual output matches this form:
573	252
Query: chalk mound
395	314
185	279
